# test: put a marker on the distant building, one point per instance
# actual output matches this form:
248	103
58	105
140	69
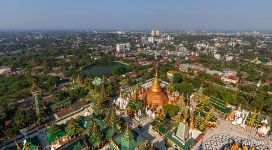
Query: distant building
230	79
229	58
216	56
125	47
155	33
151	39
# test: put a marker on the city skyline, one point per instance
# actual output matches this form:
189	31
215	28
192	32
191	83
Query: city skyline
136	15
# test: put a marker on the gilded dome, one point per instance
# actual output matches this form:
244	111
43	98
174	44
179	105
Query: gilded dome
155	95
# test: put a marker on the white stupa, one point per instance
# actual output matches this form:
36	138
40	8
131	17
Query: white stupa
264	129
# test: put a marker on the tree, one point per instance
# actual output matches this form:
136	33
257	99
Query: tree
21	119
113	120
53	129
177	78
95	135
110	90
72	127
170	110
185	88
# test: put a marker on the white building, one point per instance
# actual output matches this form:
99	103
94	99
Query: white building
151	39
229	58
125	47
217	56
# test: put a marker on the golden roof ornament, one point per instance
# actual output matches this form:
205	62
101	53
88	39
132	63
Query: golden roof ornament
156	87
192	124
230	115
120	93
34	89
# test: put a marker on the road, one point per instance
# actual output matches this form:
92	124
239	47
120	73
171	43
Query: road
225	127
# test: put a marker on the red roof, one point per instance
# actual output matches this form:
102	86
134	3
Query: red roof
232	77
268	81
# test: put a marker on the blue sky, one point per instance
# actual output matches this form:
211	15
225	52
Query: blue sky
137	14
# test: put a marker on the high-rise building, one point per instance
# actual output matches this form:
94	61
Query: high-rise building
155	33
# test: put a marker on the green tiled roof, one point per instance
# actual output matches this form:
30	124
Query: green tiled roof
133	143
52	137
33	143
219	105
188	144
161	125
136	104
60	104
77	144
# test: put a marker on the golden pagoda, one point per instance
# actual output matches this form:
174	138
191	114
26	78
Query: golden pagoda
155	95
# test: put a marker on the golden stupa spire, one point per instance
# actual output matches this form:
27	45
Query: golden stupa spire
184	117
156	71
192	124
120	93
156	87
17	145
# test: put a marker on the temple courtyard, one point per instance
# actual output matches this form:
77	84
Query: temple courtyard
226	132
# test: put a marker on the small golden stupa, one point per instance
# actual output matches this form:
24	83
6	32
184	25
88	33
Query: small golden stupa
235	146
155	95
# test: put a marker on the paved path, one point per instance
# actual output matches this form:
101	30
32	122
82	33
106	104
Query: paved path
226	128
148	134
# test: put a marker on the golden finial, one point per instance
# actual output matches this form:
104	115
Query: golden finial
156	84
120	93
192	124
17	145
239	108
156	70
184	117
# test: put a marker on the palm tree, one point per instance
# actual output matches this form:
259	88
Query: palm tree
53	129
20	118
94	134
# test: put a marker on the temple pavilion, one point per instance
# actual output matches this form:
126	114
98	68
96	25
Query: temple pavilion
182	137
129	140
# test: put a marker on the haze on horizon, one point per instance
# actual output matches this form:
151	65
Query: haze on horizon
136	14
